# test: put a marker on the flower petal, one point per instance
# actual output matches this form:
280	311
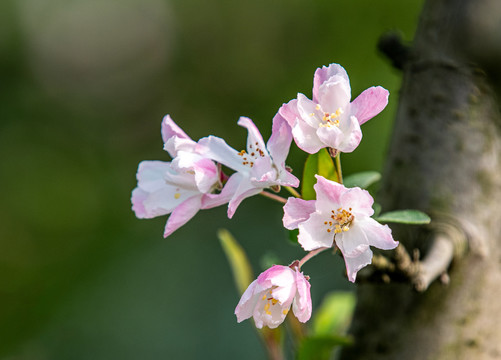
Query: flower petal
175	139
352	242
205	170
254	139
247	302
296	211
354	264
302	301
334	94
345	138
306	138
378	235
280	140
359	200
218	150
151	175
328	194
323	74
182	214
289	112
170	129
228	191
313	234
369	103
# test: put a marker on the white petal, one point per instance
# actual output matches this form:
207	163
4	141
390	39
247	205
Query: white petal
354	264
313	233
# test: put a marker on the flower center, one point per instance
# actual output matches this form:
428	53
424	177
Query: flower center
330	119
271	302
248	158
341	221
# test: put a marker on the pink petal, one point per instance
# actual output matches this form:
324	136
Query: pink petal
280	140
334	94
325	73
289	112
182	214
151	174
218	150
328	194
137	199
228	191
352	242
354	264
296	211
247	302
313	233
302	302
170	129
369	103
306	138
359	200
244	190
377	235
345	138
254	138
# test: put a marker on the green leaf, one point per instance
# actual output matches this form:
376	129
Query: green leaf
377	209
362	179
239	263
320	347
334	315
320	163
414	217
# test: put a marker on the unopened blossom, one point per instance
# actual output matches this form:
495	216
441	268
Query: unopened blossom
330	119
341	215
177	187
268	299
257	167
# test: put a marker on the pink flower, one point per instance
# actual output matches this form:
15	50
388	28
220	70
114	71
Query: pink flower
178	187
268	298
342	215
330	120
260	166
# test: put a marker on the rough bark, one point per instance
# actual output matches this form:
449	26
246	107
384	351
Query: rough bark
444	159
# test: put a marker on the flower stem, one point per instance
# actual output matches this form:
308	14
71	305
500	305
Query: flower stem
339	172
274	197
293	191
310	255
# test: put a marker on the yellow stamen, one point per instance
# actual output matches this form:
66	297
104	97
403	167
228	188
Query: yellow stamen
177	195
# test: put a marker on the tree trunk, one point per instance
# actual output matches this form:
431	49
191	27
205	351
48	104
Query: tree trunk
445	159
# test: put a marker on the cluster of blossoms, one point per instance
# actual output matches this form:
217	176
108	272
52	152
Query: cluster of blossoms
194	180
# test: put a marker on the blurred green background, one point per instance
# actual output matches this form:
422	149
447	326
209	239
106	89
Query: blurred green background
84	85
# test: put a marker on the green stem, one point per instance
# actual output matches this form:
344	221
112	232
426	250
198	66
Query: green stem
293	191
339	172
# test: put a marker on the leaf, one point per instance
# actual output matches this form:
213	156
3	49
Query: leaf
414	217
334	315
320	347
362	179
320	163
239	263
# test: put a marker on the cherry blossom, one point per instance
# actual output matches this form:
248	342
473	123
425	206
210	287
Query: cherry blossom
258	167
329	119
341	215
177	187
268	298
